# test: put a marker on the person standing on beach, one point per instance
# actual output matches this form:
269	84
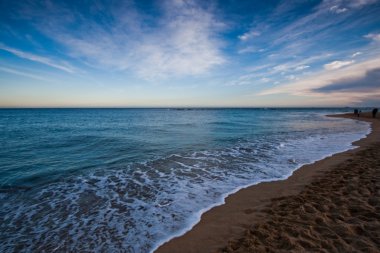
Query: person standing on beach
374	112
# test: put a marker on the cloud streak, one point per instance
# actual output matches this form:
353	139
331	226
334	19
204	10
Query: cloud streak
36	58
23	73
337	64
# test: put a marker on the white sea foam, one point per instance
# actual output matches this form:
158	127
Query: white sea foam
345	145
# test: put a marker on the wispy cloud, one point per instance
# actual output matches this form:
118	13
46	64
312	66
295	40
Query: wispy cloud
186	45
356	54
282	72
36	58
306	33
23	73
182	41
299	64
337	64
338	10
302	67
242	80
249	35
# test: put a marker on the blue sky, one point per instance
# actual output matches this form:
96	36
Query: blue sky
189	53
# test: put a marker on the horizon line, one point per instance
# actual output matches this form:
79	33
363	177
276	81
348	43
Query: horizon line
196	107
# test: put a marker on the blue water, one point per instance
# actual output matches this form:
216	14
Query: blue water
126	180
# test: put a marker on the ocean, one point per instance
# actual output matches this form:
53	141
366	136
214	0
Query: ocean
127	180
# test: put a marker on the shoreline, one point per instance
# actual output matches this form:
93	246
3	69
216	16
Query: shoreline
243	207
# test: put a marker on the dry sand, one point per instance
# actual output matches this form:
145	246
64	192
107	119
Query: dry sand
332	205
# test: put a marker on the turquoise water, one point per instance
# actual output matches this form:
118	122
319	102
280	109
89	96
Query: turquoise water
126	180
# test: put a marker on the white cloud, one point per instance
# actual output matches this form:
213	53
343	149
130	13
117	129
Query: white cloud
36	58
373	36
301	67
341	10
291	77
248	35
337	64
183	41
281	68
356	54
338	10
188	45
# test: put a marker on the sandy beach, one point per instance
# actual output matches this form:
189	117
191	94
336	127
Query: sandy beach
331	205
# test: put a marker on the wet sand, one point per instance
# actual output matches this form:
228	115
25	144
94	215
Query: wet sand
332	205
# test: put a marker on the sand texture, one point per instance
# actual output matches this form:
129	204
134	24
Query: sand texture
332	205
338	212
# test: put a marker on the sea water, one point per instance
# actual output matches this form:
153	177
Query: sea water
127	180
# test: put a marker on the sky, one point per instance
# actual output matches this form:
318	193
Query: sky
178	53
